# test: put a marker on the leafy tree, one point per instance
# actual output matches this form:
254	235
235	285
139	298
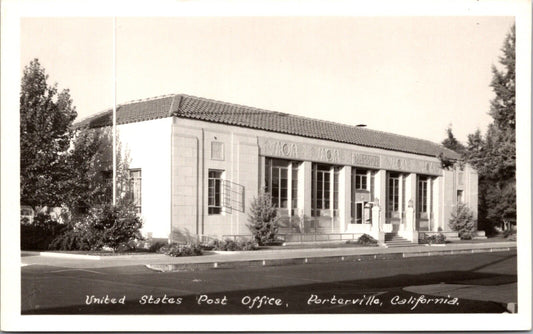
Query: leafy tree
90	162
46	117
104	226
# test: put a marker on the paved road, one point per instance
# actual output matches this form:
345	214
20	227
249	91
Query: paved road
480	282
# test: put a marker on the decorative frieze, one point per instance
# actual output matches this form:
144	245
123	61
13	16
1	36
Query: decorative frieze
318	153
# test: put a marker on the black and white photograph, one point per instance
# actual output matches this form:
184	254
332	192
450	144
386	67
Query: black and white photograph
218	167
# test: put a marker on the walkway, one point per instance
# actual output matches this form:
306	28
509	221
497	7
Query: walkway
261	257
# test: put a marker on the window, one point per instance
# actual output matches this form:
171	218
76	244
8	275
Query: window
372	183
321	187
325	184
214	192
294	194
282	185
423	195
336	191
393	202
459	196
361	179
403	194
360	184
135	188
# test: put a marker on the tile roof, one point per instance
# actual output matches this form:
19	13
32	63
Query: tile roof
191	107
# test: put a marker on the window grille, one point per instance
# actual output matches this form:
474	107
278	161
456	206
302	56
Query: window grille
233	198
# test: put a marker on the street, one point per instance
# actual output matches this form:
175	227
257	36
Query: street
471	283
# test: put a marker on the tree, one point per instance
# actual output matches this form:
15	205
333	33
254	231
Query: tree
494	155
451	142
90	165
263	218
500	141
46	117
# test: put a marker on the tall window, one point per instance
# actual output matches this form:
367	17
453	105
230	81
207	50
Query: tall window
325	184
372	183
336	191
294	194
321	186
393	203
214	192
403	195
281	184
423	195
135	188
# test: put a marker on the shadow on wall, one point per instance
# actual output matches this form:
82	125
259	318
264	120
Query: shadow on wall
182	236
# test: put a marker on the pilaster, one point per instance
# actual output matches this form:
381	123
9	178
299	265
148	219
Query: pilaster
345	176
304	183
381	195
410	194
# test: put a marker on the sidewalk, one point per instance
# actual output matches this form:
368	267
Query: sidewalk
268	257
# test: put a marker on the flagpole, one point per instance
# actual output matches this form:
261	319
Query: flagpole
114	112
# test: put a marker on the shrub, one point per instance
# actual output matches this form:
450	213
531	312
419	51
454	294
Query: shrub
40	234
433	239
104	226
154	247
462	220
231	245
176	250
367	240
263	219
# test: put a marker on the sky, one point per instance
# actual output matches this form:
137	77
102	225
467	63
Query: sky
407	75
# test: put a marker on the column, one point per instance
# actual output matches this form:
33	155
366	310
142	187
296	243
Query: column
401	200
437	221
304	191
345	194
410	212
379	211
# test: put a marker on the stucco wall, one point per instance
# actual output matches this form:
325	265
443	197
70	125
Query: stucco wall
148	146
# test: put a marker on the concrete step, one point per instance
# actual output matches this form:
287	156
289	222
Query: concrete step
401	245
394	240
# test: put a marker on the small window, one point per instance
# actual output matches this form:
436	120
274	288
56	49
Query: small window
360	181
135	188
214	192
459	196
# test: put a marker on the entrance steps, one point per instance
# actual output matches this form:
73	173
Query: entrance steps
394	240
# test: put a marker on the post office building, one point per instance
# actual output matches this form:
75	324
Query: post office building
197	164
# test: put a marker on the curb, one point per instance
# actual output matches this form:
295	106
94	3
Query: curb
71	256
314	260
